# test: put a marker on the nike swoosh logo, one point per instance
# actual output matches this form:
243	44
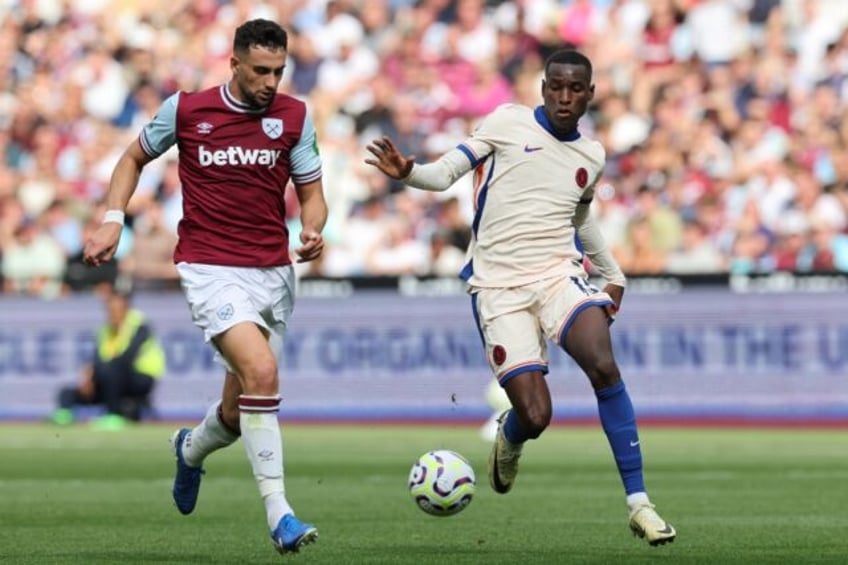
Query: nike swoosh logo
666	530
528	149
634	443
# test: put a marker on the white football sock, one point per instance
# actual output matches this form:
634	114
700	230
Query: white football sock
263	441
210	435
637	499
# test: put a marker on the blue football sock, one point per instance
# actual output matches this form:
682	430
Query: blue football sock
619	423
512	429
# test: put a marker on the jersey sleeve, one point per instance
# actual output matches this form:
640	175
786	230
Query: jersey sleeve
441	174
305	160
489	133
161	132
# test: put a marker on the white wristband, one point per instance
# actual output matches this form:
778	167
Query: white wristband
113	216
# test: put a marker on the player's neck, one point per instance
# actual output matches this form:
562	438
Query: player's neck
235	92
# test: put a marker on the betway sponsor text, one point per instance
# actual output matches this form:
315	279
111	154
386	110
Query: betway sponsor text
237	155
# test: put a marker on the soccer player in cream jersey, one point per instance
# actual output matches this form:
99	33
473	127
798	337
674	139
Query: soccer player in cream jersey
535	177
239	144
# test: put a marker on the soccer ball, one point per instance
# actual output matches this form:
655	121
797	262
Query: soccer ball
442	483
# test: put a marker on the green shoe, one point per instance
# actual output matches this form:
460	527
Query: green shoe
109	423
62	417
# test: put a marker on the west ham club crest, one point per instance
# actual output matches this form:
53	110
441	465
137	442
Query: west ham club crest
273	127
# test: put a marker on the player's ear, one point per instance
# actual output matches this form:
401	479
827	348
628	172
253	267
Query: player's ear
234	63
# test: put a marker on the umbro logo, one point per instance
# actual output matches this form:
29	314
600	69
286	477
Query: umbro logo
528	149
204	128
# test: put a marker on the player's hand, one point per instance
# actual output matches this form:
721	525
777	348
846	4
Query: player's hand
388	158
101	246
313	246
617	294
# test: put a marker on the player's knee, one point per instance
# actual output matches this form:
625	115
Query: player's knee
261	379
535	421
604	373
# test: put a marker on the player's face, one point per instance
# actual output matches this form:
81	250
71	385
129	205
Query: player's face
256	74
567	91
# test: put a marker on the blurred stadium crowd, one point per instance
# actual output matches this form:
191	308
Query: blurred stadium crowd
725	124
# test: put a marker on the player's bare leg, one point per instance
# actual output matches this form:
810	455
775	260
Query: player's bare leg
245	346
527	419
588	342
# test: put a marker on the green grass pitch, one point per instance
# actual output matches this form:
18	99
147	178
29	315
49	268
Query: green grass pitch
736	496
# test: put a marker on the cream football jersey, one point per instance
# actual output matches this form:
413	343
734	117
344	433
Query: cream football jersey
528	181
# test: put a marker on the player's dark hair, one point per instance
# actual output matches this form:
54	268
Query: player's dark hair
260	33
568	57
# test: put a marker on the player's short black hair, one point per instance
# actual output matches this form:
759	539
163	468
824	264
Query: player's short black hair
260	33
568	57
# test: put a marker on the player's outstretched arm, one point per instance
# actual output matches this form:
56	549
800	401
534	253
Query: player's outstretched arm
101	246
437	176
313	216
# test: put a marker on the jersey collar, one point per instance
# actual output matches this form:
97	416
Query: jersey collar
235	104
542	119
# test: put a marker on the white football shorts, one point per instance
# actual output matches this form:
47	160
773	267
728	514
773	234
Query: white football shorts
515	323
221	297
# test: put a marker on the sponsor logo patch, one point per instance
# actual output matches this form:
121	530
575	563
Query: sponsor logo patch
237	155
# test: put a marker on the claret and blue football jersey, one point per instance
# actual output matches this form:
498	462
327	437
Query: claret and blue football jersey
232	154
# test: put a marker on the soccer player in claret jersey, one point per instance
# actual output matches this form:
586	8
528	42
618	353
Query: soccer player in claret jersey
239	145
535	177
